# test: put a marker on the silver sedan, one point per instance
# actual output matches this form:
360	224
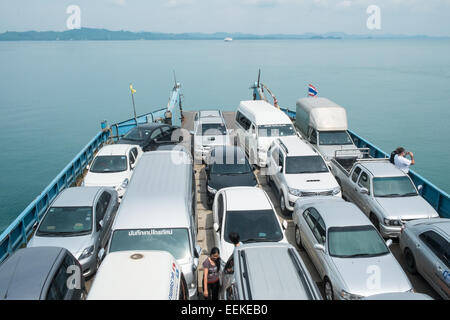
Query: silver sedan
426	246
348	252
79	220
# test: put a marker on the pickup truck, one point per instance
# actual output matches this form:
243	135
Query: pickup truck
382	191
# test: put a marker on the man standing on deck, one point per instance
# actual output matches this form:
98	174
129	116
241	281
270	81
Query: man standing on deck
401	161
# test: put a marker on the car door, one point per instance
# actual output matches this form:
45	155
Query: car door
306	229
433	260
278	161
318	257
131	159
101	209
61	287
362	199
349	185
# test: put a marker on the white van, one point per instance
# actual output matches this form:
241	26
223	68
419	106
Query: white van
258	123
158	211
324	124
139	275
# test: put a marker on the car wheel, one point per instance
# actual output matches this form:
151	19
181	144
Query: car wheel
410	261
328	288
373	218
298	239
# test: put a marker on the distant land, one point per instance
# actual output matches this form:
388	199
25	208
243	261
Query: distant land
103	34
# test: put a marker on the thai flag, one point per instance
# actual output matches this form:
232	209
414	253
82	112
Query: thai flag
312	91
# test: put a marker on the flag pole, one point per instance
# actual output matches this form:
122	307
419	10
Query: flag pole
132	91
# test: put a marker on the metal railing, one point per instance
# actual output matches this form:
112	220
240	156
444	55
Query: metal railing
18	232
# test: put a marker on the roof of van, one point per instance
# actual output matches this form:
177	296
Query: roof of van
325	115
264	112
247	198
272	272
382	168
297	147
158	192
136	275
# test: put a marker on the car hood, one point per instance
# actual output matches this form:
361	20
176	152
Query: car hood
311	181
114	179
407	208
218	181
75	245
328	152
357	273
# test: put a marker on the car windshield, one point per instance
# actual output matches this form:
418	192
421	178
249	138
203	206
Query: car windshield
231	162
276	130
138	134
393	187
253	225
305	164
107	164
329	138
175	241
212	129
70	221
358	241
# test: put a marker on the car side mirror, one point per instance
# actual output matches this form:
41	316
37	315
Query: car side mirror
192	132
195	264
319	247
100	225
132	165
88	167
198	250
280	168
420	187
101	254
285	224
216	227
364	191
389	242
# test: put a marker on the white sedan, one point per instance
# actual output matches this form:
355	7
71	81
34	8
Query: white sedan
113	167
249	212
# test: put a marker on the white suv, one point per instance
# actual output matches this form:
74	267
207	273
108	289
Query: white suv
209	130
296	170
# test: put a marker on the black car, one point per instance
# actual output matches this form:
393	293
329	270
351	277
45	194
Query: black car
227	166
150	136
41	273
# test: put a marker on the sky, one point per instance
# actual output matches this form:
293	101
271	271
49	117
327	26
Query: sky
410	17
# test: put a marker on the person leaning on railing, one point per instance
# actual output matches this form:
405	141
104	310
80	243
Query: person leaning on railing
401	161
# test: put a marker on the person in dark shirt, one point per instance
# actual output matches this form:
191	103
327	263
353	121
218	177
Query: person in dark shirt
211	268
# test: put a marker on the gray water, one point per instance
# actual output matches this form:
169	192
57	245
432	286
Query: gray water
53	95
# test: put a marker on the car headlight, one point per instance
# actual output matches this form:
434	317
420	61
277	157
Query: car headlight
336	190
86	253
212	190
392	222
350	296
295	192
123	185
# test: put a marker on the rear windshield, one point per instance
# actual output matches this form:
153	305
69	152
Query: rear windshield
107	164
138	134
175	241
276	130
211	129
253	226
305	164
329	138
70	221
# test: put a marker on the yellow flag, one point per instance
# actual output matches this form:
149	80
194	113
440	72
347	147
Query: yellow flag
132	90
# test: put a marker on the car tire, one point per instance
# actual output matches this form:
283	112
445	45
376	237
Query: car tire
328	289
410	261
298	239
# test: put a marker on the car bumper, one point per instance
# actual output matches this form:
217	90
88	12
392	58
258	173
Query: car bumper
292	199
390	231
